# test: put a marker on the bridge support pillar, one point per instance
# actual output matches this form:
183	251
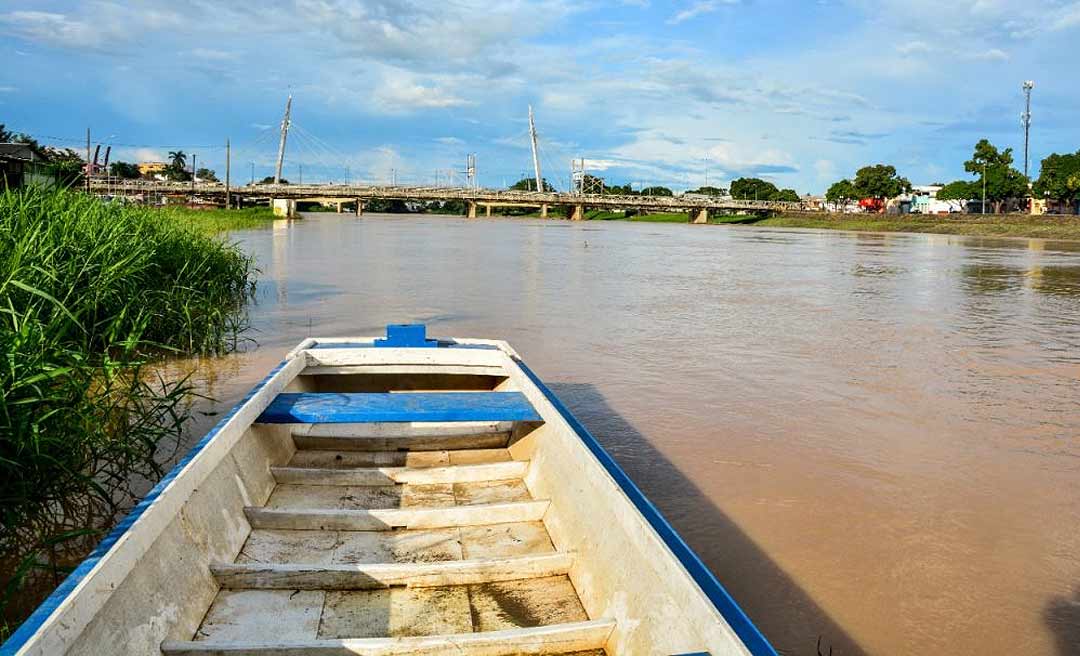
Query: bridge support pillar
470	210
487	211
339	205
543	211
699	216
359	207
577	213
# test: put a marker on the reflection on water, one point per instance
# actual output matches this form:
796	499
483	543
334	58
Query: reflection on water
872	438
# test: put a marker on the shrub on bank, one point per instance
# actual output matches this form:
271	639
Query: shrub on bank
89	291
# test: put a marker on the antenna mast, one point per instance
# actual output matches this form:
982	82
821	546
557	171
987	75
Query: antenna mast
536	156
284	135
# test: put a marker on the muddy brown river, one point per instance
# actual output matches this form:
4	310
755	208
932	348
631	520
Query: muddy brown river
871	439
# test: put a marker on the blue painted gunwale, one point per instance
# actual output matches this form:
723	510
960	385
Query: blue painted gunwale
736	618
28	628
341	408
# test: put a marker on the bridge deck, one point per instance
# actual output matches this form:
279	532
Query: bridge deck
480	196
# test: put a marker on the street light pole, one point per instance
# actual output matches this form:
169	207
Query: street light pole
984	188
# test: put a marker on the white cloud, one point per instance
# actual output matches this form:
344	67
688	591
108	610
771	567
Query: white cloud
697	9
450	141
404	94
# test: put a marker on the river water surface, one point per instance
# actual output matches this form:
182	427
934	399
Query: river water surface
870	438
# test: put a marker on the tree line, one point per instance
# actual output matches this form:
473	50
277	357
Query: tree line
741	188
992	176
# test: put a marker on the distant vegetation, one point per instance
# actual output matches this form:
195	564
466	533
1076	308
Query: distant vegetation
758	189
992	171
92	291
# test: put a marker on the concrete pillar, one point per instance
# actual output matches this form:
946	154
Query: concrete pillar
284	207
577	213
338	207
543	211
487	211
359	207
470	209
699	216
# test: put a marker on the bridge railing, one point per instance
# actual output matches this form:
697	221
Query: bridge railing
480	195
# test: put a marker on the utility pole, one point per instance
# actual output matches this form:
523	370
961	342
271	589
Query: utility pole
1025	120
87	160
193	169
284	136
301	180
536	156
470	170
253	174
228	184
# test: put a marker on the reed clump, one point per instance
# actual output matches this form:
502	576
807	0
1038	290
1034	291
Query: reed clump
90	292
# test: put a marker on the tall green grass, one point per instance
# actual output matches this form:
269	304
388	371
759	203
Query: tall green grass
89	293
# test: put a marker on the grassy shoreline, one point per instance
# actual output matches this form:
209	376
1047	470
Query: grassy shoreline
218	220
1066	228
93	293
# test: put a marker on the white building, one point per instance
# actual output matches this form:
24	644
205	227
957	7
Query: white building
924	201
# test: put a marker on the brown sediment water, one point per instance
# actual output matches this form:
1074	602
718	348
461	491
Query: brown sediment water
870	438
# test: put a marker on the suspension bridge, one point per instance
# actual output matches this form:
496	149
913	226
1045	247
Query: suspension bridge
582	195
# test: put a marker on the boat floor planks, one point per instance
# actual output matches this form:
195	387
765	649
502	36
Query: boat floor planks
290	585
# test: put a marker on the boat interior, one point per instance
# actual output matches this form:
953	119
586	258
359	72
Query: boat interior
390	501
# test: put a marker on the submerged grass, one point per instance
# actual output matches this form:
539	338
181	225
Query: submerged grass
89	292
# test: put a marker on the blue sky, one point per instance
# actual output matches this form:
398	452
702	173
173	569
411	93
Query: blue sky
648	92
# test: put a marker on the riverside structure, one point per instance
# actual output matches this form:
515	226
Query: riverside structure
354	197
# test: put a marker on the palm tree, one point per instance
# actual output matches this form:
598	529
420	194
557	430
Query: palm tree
178	159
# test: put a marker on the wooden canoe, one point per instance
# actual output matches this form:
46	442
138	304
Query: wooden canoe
393	496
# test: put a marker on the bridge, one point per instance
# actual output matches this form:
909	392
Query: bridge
473	198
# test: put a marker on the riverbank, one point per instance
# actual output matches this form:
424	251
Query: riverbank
976	225
93	293
217	220
661	217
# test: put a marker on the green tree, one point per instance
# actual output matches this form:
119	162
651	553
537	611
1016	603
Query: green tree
657	191
753	189
270	180
959	191
177	159
879	181
841	193
206	175
996	173
619	190
786	195
124	170
1059	178
708	191
529	184
67	166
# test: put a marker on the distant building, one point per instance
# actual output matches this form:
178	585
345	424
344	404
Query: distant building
924	200
20	165
814	203
151	168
